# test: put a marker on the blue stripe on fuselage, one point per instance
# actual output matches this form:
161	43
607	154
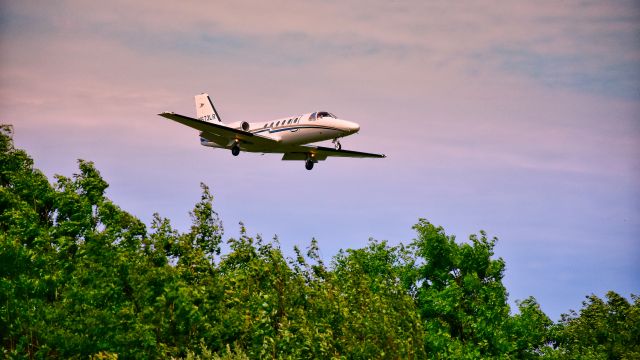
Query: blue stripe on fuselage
288	128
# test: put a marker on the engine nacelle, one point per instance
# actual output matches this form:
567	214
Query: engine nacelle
240	125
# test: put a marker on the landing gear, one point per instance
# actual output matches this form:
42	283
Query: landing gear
308	164
337	144
235	150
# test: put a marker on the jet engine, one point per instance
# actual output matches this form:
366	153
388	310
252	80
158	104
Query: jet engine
240	125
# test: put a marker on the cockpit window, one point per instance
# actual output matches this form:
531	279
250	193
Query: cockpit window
323	114
312	117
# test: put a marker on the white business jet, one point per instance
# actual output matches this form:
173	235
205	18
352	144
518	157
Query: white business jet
288	136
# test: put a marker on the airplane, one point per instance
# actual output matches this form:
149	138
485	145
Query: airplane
290	136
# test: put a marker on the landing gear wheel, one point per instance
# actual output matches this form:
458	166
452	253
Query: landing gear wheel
308	164
235	150
337	144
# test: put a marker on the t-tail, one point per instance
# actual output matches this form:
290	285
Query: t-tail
205	110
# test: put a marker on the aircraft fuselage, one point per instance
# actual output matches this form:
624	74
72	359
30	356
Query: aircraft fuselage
297	130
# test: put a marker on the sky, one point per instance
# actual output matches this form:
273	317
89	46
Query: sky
518	118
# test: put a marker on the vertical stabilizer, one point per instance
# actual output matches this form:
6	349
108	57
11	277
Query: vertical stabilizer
205	110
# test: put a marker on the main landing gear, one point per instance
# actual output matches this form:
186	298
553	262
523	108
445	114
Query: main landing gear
308	164
336	143
235	150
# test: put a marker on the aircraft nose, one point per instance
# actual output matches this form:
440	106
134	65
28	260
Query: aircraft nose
352	127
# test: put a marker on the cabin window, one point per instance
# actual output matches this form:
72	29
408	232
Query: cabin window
271	125
278	123
289	122
265	125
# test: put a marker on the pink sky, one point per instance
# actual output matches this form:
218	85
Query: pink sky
520	118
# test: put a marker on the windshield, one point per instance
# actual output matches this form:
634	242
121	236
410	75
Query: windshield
322	114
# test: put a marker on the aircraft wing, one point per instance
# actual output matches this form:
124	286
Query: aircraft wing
220	134
322	153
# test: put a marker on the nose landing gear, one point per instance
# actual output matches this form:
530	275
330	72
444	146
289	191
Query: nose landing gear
336	143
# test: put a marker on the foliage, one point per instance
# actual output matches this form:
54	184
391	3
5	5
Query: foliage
601	330
80	277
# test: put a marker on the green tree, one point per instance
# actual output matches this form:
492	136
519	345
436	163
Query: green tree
27	281
461	298
380	319
601	330
530	330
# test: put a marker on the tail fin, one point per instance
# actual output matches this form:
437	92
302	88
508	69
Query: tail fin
205	110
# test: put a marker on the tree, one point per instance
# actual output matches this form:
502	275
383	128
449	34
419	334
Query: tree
462	300
380	318
27	283
530	330
601	330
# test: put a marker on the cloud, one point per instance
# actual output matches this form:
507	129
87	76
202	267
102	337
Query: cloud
584	46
